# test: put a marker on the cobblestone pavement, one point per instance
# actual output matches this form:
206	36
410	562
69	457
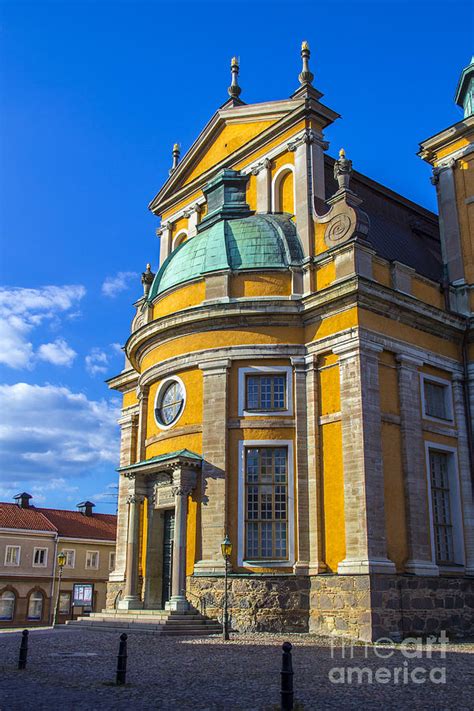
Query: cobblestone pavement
75	669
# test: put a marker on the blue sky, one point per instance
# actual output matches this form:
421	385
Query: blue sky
93	96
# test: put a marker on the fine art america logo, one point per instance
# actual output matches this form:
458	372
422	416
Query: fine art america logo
407	665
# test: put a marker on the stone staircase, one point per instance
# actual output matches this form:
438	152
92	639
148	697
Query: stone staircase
161	622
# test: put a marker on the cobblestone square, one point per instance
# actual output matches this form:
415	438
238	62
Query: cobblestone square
75	669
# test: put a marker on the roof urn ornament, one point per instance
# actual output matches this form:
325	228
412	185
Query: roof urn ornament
234	88
176	154
147	280
343	170
305	77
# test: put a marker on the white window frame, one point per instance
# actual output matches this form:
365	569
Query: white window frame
288	167
449	420
66	551
243	444
93	567
164	384
111	567
179	238
265	370
40	565
455	501
12	565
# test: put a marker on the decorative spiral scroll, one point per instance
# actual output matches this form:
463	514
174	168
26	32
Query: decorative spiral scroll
338	228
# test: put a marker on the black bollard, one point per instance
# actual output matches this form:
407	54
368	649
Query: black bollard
23	650
286	678
122	659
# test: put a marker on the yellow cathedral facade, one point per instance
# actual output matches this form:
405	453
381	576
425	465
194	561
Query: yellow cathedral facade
299	377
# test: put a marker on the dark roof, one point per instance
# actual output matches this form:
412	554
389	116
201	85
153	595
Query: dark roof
399	229
72	524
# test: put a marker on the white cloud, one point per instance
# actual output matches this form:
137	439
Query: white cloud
117	348
53	435
122	281
23	310
57	353
97	362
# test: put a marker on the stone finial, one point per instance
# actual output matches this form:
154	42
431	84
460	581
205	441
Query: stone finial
176	154
305	77
343	170
234	88
147	280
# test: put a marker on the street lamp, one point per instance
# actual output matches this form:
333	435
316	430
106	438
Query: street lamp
61	560
226	548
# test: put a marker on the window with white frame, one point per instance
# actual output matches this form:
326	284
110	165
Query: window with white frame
266	503
35	605
437	398
112	560
445	505
40	557
70	558
265	390
92	560
12	555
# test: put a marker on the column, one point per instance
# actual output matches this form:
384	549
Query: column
131	601
465	480
303	210
448	221
414	469
154	545
164	233
142	422
178	601
316	565
214	468
364	510
264	185
193	216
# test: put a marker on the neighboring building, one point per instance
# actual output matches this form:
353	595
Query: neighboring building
300	376
31	539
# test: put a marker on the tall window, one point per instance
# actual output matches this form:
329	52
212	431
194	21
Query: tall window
70	558
35	606
7	605
442	514
266	392
12	555
266	503
40	557
437	398
92	559
112	560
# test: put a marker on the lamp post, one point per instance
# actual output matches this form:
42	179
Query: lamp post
226	548
61	560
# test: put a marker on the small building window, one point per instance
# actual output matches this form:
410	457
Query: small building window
266	392
266	502
40	557
12	555
35	606
92	560
112	560
441	502
7	605
437	399
70	558
170	401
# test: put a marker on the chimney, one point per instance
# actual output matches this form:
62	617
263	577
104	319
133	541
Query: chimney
85	507
23	500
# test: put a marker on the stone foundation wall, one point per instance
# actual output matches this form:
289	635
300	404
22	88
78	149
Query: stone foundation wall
266	603
113	589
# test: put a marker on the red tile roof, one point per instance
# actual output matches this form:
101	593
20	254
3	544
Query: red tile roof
72	524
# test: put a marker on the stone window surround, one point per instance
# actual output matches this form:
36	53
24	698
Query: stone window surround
276	179
89	560
17	563
45	563
178	238
456	507
66	551
448	398
163	385
112	560
243	444
261	370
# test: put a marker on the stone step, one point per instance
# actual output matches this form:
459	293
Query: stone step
187	630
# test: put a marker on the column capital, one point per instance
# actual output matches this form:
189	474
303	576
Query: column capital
135	499
128	419
355	347
211	367
163	227
408	361
298	363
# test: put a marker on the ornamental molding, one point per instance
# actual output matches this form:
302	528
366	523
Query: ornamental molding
135	499
307	137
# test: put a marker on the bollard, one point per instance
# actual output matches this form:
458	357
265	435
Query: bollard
286	678
23	650
122	660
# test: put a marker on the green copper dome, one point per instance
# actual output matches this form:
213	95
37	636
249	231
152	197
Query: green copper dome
254	242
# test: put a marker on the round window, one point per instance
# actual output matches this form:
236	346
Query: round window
169	402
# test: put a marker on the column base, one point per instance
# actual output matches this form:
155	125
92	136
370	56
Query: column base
421	567
130	603
303	567
177	603
209	567
358	566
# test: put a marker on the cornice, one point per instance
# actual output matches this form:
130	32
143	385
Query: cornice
124	381
429	147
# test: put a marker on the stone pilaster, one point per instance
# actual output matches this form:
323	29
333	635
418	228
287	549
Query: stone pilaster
178	600
164	233
364	509
142	422
465	480
302	503
193	216
154	546
214	469
414	469
449	222
131	600
316	564
264	185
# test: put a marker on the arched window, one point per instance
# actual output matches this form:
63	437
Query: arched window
7	605
283	197
179	238
35	605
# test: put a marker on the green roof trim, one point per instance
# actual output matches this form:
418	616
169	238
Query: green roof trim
163	458
254	242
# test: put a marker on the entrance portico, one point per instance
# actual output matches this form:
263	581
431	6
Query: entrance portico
163	485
